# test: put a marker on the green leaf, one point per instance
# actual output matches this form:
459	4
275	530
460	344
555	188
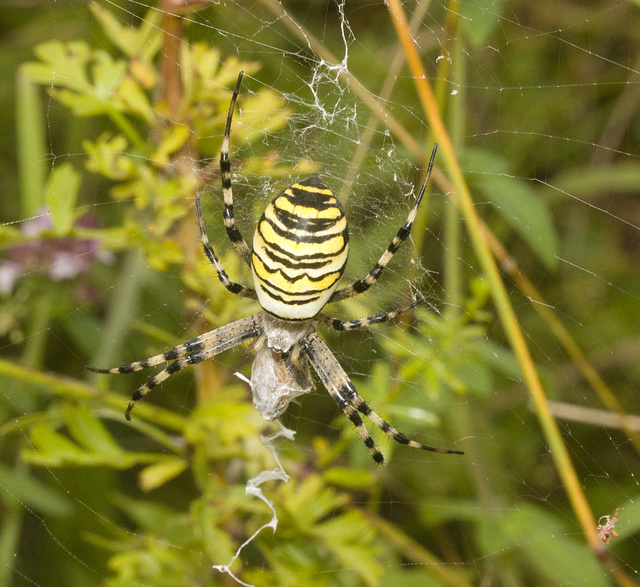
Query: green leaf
349	537
476	375
587	183
520	205
31	145
349	478
89	431
61	195
225	417
135	99
107	75
63	64
412	414
158	474
156	517
21	485
628	519
408	577
207	521
107	156
559	556
40	73
199	62
96	449
120	35
311	501
499	358
262	113
81	104
478	18
52	449
175	137
144	41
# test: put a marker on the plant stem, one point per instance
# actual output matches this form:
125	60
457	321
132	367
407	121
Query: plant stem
509	321
30	141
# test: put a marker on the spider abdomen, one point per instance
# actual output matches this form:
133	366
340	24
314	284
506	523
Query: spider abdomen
300	249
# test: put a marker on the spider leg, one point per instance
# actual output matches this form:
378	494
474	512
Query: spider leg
225	173
345	394
191	352
389	430
195	345
365	283
362	322
157	379
336	383
232	286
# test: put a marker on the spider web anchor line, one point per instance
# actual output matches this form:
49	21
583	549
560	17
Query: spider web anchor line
253	488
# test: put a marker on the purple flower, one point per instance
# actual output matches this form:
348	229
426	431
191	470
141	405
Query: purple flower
58	258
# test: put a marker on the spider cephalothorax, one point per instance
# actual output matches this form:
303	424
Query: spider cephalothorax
300	249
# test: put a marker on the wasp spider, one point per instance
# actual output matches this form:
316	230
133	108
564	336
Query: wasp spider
300	249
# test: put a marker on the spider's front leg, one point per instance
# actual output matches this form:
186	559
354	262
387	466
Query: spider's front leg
191	352
337	383
346	396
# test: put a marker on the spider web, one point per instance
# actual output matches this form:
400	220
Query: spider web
541	102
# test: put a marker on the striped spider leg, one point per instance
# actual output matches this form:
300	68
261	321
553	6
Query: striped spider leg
196	350
342	390
366	282
363	322
227	215
227	191
233	287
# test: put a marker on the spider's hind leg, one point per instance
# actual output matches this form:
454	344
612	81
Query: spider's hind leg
363	322
227	190
362	285
233	287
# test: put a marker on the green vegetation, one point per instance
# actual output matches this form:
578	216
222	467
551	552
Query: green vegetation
528	245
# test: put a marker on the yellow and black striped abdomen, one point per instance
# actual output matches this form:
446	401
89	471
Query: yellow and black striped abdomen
300	248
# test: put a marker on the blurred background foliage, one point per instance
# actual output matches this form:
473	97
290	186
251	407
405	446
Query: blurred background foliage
113	119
